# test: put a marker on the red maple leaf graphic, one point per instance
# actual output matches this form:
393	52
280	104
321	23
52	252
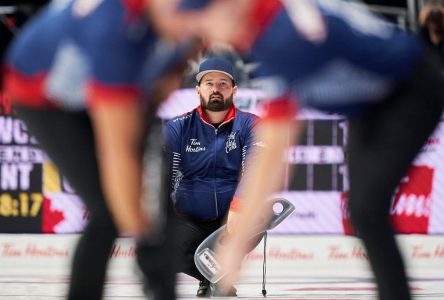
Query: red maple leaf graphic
50	216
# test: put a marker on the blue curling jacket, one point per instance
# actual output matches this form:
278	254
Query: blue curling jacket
206	162
331	55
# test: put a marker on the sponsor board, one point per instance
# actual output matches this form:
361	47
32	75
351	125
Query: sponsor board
34	197
48	254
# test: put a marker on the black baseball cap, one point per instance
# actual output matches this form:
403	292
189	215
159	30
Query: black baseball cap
215	64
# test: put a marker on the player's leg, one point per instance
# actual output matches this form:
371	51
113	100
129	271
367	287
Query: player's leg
382	145
68	140
191	235
158	261
156	255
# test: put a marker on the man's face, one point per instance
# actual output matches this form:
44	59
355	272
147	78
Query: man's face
216	91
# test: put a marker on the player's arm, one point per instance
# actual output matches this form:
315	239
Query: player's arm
118	131
171	144
208	22
250	142
261	180
263	177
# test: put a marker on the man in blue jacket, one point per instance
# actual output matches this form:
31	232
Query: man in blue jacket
207	148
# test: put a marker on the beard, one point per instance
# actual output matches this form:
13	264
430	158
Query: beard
216	102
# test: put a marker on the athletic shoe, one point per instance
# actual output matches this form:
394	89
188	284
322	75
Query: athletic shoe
204	289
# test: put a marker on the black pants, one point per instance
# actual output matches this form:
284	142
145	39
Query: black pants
68	140
382	145
191	234
67	137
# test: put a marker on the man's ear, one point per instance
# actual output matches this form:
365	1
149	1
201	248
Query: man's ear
198	90
234	90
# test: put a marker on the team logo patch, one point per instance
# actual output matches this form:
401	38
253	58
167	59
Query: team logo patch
231	142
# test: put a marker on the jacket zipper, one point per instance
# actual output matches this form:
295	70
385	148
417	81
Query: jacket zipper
214	174
216	130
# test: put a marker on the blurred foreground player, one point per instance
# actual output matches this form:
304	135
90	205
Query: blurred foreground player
77	74
339	58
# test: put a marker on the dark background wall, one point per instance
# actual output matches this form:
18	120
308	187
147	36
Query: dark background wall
398	3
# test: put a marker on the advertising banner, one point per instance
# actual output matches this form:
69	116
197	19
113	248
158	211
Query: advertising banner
317	181
21	198
34	196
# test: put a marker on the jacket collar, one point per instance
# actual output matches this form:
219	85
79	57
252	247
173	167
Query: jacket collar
231	114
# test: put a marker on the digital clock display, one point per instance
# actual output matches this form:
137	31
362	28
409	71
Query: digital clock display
25	205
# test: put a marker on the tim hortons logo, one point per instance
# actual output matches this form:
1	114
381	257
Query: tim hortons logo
348	228
412	203
194	146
